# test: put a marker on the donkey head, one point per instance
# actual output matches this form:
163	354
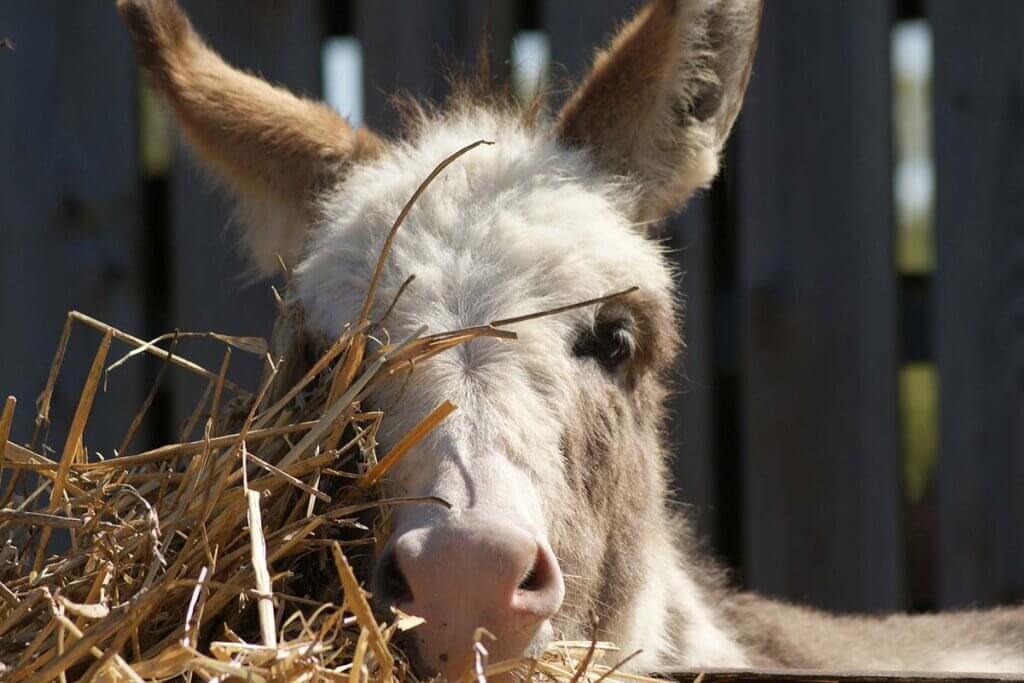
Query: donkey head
553	464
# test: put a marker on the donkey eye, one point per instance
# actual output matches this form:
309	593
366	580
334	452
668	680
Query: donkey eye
311	347
611	342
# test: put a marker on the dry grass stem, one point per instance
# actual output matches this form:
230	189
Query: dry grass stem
224	557
418	433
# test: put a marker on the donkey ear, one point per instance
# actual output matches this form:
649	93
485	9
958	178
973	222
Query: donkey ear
660	101
273	148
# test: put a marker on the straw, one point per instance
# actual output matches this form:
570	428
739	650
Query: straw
237	555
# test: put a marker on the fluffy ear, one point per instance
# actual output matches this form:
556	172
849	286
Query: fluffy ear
273	148
660	101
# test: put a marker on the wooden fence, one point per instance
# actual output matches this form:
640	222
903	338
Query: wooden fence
788	424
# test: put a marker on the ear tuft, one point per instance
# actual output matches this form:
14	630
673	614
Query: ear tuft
660	102
158	27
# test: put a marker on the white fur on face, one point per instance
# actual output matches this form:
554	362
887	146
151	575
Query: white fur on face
512	228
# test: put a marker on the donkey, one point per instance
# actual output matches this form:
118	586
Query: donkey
555	465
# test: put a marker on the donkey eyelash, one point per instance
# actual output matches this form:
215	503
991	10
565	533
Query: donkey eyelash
610	341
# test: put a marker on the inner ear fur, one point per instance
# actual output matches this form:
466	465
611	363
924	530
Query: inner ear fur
661	99
276	150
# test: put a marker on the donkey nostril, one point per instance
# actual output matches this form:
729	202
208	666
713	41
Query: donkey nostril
540	591
529	582
390	584
538	575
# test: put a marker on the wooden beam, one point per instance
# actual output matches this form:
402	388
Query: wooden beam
821	475
979	301
70	205
808	676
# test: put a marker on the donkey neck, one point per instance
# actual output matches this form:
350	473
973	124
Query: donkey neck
676	620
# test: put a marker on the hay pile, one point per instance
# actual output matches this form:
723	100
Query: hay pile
226	557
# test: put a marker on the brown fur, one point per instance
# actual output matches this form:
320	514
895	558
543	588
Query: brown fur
616	468
783	635
267	143
661	100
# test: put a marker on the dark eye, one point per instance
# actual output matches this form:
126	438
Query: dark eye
611	342
308	348
311	347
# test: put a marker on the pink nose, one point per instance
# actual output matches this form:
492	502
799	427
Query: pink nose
466	574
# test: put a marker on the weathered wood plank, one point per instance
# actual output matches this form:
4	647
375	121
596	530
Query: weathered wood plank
434	41
805	676
486	22
282	42
821	482
575	35
691	420
979	306
69	206
403	57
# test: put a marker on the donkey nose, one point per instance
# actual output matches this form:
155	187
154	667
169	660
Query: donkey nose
496	570
464	576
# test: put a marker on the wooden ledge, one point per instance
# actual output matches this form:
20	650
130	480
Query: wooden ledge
814	676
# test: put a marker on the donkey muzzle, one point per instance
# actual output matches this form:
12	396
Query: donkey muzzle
467	571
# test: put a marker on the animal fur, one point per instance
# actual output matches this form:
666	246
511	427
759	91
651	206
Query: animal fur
548	434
